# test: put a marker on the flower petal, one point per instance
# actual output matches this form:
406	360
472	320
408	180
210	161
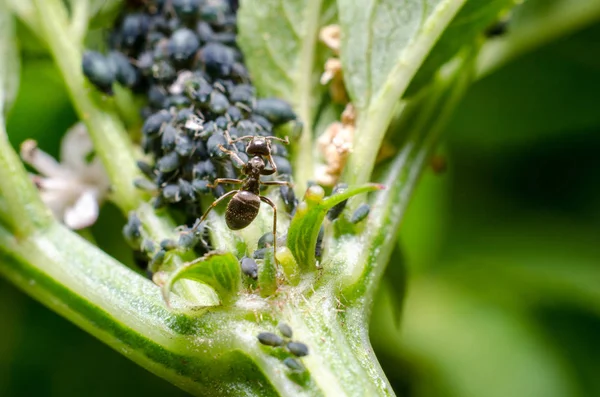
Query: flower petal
84	212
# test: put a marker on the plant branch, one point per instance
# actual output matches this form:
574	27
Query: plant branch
106	130
23	208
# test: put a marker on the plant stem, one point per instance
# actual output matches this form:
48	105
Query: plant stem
106	130
23	208
217	353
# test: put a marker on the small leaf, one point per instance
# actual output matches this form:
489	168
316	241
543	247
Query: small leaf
304	228
9	59
220	271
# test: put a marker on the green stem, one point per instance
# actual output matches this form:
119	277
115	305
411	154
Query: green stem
214	354
23	208
427	122
106	130
304	159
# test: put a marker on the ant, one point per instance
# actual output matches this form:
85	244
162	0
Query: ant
245	203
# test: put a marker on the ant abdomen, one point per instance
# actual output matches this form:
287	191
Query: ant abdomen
242	209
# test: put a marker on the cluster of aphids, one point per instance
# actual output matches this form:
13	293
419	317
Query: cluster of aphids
296	348
182	56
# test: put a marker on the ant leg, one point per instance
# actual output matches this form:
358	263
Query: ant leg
234	157
268	201
284	140
277	183
219	181
272	162
213	205
241	138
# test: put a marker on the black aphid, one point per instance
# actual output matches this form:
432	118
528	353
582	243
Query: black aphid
285	330
337	209
270	339
361	213
249	267
298	349
293	364
132	231
99	71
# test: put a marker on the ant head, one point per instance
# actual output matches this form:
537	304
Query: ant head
255	165
259	146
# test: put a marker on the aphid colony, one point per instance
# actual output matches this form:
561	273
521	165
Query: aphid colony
296	348
203	125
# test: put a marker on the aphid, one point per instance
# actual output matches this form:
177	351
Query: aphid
164	72
245	203
133	29
144	184
200	186
213	145
361	213
275	110
99	71
125	73
156	96
132	231
157	259
154	124
147	246
293	364
217	58
266	240
204	31
298	349
289	198
249	267
285	330
283	165
337	209
188	239
168	244
172	193
259	253
146	169
183	145
218	103
186	9
167	141
169	162
319	245
270	339
183	45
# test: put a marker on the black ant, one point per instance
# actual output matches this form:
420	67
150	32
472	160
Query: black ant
245	203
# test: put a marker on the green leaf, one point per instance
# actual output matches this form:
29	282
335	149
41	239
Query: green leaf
220	271
280	42
383	45
464	30
304	228
9	60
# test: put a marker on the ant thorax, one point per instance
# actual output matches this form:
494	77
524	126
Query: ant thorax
254	167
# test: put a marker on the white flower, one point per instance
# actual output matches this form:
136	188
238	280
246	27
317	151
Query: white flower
73	188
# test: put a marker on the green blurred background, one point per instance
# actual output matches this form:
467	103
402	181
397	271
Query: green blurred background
500	254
